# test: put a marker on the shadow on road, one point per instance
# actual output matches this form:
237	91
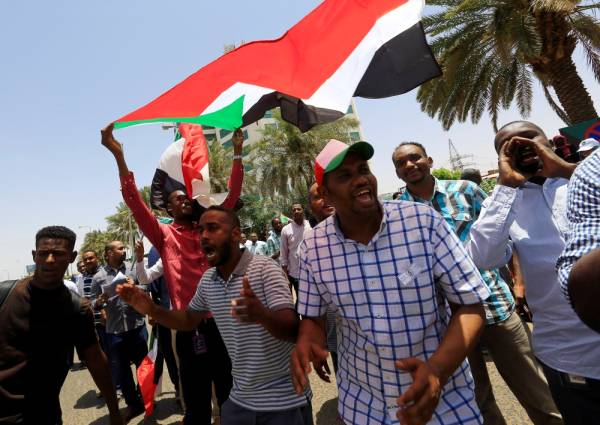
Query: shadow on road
328	413
87	400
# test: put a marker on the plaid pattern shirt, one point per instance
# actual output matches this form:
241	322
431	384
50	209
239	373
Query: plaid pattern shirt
459	202
391	296
583	213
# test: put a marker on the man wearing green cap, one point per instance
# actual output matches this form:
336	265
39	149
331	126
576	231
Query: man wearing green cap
390	269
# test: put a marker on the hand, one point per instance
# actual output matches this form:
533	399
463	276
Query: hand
135	297
552	164
419	401
109	142
304	353
238	140
248	308
101	300
7	373
508	174
139	251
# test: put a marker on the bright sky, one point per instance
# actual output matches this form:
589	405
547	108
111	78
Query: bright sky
70	67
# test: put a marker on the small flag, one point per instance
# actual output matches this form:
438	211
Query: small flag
184	166
146	374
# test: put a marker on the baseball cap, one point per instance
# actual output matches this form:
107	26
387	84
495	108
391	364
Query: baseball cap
333	155
588	144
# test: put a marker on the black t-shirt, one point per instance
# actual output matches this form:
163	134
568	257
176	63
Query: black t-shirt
42	327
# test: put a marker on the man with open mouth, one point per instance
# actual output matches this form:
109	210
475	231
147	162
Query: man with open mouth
249	298
390	269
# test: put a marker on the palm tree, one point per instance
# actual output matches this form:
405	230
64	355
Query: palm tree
284	157
491	50
96	240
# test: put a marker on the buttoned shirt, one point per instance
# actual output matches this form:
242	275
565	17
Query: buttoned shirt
258	248
532	219
273	244
85	290
179	246
120	316
291	236
459	202
260	362
583	214
391	297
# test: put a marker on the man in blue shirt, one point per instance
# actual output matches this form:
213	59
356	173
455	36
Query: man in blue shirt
505	336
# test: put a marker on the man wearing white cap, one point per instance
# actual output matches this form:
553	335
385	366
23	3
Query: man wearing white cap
389	269
586	147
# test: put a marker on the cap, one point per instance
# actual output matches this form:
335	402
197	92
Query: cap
588	144
333	155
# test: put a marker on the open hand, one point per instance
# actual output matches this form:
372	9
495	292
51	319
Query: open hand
552	164
508	173
136	297
304	353
248	308
420	400
109	142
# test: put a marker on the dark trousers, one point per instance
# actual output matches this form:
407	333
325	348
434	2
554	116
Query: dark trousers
102	338
201	365
578	402
165	352
234	414
126	348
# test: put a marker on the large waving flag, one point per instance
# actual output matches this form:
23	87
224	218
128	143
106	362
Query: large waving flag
343	48
184	166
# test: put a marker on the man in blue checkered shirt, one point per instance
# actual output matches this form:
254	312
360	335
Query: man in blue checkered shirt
578	264
506	337
393	270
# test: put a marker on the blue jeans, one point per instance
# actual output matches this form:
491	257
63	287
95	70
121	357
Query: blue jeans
126	348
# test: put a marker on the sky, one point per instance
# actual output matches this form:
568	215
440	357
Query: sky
71	67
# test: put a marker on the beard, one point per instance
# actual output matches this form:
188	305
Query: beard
224	254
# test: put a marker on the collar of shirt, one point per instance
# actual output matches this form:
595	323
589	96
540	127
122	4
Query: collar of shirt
240	268
438	187
334	220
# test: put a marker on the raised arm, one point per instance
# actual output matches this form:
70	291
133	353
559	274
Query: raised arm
237	171
141	213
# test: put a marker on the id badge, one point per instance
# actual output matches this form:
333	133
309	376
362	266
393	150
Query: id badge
199	343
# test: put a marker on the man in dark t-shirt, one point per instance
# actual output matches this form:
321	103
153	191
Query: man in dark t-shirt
40	323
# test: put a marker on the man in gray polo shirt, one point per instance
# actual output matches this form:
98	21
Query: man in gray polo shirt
250	301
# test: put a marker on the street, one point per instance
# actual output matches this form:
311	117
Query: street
81	406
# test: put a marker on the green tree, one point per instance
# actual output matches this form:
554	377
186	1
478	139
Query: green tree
446	174
284	157
491	50
488	185
96	240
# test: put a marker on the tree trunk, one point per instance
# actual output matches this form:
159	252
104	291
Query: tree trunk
571	93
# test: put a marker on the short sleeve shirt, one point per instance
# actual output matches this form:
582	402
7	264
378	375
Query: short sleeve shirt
42	327
391	296
260	362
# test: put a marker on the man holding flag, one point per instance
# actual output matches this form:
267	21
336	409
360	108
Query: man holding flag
202	356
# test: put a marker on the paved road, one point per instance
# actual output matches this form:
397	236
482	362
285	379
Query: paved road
81	406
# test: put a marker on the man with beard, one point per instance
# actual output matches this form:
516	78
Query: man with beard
125	328
526	213
291	236
249	299
390	269
184	264
40	323
505	336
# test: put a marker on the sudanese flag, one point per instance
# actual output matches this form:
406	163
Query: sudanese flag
184	166
343	48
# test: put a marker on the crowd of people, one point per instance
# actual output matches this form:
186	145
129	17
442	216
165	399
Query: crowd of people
408	297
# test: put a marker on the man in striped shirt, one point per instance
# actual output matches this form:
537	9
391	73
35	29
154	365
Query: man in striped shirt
91	267
505	336
250	301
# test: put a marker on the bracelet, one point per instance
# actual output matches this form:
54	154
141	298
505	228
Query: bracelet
237	157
